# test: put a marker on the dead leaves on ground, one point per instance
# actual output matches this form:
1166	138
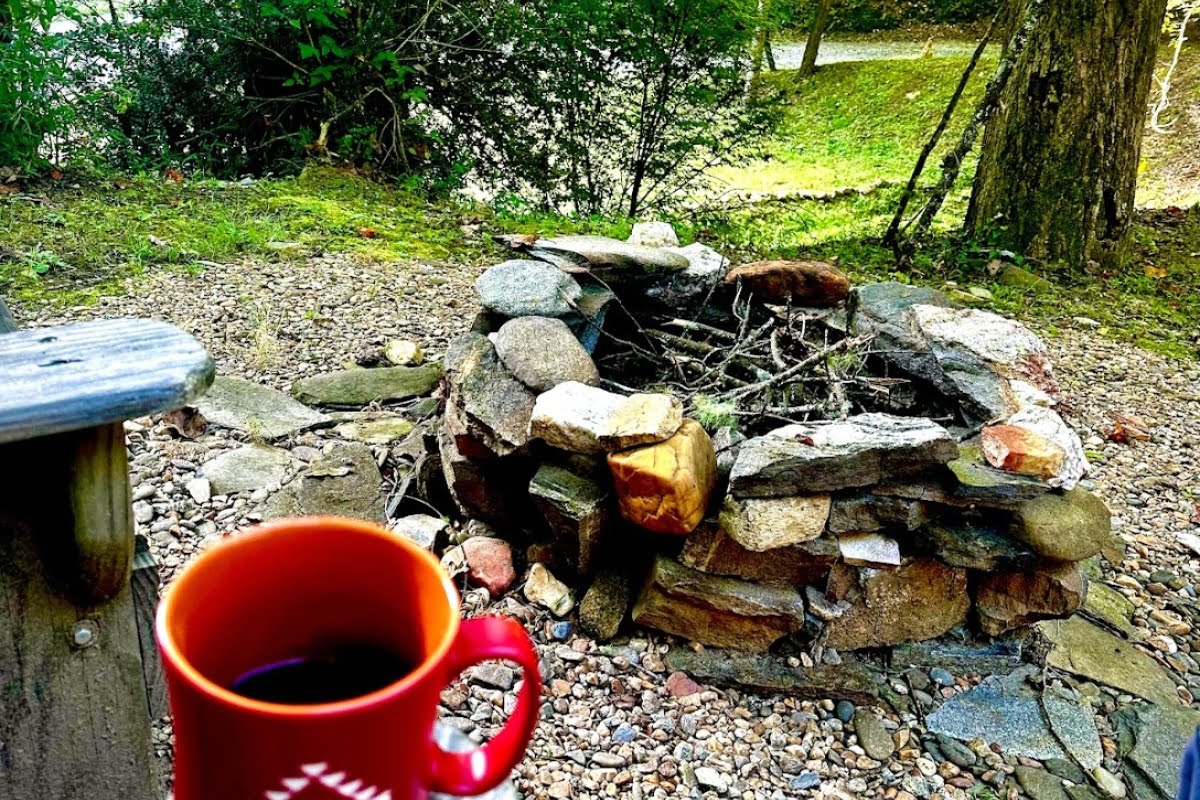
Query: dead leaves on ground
1126	428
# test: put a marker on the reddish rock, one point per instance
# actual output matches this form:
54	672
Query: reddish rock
1022	451
680	685
1008	601
807	283
489	563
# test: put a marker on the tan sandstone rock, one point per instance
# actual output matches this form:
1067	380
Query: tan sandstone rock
1007	601
666	487
775	521
721	612
882	603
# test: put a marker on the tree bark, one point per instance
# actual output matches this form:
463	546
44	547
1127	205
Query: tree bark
809	64
1058	167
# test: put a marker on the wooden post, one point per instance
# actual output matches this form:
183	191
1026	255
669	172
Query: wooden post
75	723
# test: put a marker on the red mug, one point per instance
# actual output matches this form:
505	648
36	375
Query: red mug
273	594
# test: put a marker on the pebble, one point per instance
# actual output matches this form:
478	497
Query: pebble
1110	784
707	776
805	780
941	676
845	710
561	631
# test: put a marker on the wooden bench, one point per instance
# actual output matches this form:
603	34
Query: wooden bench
74	710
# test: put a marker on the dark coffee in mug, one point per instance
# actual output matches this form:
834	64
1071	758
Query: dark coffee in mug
332	675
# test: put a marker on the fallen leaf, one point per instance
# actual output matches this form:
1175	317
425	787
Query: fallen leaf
1196	515
802	439
1127	428
368	233
173	175
56	174
9	188
1154	272
186	422
157	242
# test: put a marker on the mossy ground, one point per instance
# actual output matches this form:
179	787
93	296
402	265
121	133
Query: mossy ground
849	125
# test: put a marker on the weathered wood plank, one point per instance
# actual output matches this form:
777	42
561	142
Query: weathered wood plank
90	373
101	510
7	323
73	716
145	605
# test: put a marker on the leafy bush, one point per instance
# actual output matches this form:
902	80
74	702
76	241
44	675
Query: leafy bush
569	104
31	109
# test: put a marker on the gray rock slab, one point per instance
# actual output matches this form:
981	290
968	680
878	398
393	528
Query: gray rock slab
360	387
521	288
542	352
1083	649
421	529
601	253
1075	728
256	410
1161	735
255	466
769	673
1000	710
344	481
858	451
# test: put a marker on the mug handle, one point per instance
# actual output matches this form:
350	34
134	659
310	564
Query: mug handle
480	770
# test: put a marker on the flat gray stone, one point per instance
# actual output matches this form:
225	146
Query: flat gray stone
1072	723
522	288
772	674
858	451
361	387
542	352
255	466
973	481
420	529
1081	648
257	410
1000	710
610	256
1162	733
344	481
587	320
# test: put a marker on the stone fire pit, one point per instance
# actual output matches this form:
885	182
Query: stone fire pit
763	457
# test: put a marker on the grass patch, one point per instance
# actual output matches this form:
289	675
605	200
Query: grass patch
858	123
71	245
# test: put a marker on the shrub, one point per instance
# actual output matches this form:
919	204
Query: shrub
31	108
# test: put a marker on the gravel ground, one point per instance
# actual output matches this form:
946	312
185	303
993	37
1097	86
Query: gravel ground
610	725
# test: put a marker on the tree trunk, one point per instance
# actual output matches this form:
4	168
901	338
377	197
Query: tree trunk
809	65
1058	167
762	37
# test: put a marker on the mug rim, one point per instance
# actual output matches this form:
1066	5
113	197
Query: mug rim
228	547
